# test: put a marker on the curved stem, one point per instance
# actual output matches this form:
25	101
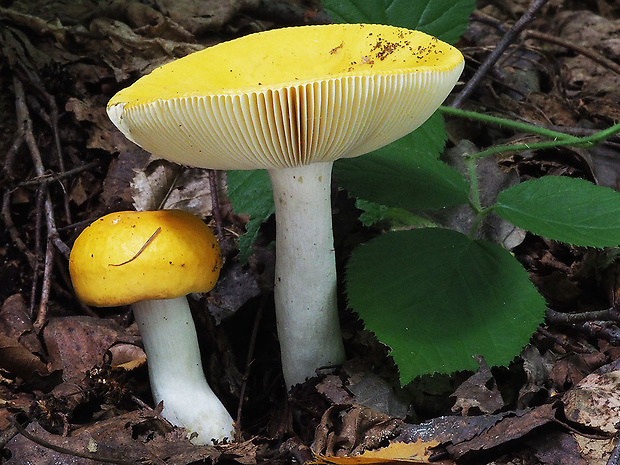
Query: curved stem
507	123
175	370
305	278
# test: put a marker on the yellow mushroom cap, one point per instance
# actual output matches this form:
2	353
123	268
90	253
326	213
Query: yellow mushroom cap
126	257
288	97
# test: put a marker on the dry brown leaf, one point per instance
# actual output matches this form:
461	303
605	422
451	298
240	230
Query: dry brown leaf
18	360
397	452
15	322
127	356
165	185
595	402
479	392
513	425
77	344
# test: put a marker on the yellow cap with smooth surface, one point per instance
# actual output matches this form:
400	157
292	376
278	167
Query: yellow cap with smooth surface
126	257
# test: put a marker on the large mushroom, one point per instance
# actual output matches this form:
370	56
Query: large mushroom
151	260
292	101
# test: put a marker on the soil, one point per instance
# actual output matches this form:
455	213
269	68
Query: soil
73	379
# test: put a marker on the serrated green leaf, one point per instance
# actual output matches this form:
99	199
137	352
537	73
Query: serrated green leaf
444	19
437	298
406	173
565	209
250	194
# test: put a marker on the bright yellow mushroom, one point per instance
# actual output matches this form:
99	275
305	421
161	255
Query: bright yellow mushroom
151	260
292	101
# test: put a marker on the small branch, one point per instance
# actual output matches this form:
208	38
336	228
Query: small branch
18	140
25	124
248	367
45	287
52	177
608	314
69	452
37	247
52	120
587	52
495	55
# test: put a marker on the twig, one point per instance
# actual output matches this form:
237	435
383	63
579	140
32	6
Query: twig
608	314
587	52
76	225
142	249
143	405
45	286
490	20
63	450
37	247
503	44
178	171
25	123
52	177
248	367
52	121
18	140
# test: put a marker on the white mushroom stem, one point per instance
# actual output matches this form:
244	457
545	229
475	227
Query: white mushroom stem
305	274
175	370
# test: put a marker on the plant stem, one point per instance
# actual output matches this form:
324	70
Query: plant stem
503	122
559	139
175	369
584	142
474	195
305	277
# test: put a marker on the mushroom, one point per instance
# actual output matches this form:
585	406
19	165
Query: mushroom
292	101
151	260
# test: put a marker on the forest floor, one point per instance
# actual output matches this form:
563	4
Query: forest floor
73	379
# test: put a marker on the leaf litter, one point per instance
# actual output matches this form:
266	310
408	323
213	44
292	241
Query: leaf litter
75	389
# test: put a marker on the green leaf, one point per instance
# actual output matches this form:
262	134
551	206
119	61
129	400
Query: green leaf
406	173
565	209
437	298
250	194
444	19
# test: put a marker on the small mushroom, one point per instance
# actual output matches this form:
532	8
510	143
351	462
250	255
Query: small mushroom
292	101
151	260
